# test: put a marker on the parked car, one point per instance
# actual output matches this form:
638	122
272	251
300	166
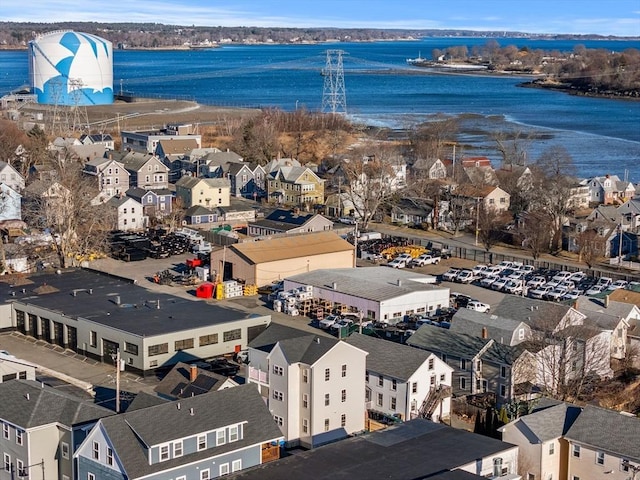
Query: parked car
562	276
450	274
406	257
605	281
397	263
526	269
618	284
556	294
327	322
514	287
479	306
347	220
536	282
488	280
595	290
480	270
499	284
540	292
425	259
465	276
577	277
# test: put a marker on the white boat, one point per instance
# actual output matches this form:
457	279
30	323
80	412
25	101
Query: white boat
416	61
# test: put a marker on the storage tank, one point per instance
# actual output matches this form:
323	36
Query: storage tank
71	68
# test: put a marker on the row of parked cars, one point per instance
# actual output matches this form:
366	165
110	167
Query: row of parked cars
519	279
406	260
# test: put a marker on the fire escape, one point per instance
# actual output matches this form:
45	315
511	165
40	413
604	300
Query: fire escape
432	400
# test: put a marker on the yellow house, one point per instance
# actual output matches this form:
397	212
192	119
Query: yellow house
293	185
207	192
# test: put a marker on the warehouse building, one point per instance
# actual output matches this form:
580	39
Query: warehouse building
382	294
263	262
97	314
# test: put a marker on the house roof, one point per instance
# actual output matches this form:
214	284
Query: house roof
318	243
473	191
285	220
177	382
531	311
440	340
29	404
134	161
198	210
606	315
415	449
389	358
308	349
190	182
472	323
551	423
145	400
625	296
608	430
373	283
130	431
178	146
273	334
117	202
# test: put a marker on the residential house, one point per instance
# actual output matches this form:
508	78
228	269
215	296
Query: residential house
314	386
177	161
431	168
402	382
184	381
480	365
609	190
603	445
630	297
412	211
112	178
128	213
155	203
297	186
11	177
415	449
579	197
277	163
98	139
208	192
182	439
540	437
479	175
492	197
468	162
217	164
485	325
12	368
630	213
10	203
340	205
41	429
146	171
47	196
202	216
147	141
612	317
293	221
246	180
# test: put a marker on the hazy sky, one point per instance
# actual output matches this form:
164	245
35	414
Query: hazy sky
605	17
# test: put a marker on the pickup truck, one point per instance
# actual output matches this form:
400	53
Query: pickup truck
425	259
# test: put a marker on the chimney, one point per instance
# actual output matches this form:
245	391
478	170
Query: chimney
334	285
485	333
191	411
399	282
606	301
318	340
28	396
193	373
117	299
178	405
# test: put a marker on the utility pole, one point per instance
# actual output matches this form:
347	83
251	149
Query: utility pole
477	218
118	362
355	245
620	246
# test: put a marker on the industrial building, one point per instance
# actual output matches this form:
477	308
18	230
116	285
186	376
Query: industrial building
97	314
380	293
71	69
263	262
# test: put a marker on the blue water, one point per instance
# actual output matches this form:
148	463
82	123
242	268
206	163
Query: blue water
601	135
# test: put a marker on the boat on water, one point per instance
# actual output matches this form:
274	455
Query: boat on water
416	61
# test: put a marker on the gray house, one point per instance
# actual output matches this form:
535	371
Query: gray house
41	427
289	222
501	329
201	437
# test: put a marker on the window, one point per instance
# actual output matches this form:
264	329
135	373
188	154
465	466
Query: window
463	383
503	390
235	334
183	344
394	384
599	458
521	334
576	451
96	451
380	381
575	477
343	420
278	370
393	403
503	371
6	432
380	398
305	375
326	424
279	420
278	395
131	348
158	349
305	425
327	374
177	449
224	469
344	396
478	365
344	370
531	476
202	442
463	364
91	476
442	377
164	453
552	447
93	339
366	377
414	387
7	462
326	399
624	465
65	450
204	474
20	468
497	467
236	465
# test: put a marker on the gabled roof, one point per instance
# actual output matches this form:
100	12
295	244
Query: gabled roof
178	146
235	168
30	404
292	217
274	333
145	400
606	315
134	161
198	210
177	382
117	202
131	431
531	311
318	243
608	430
276	163
550	423
473	191
190	182
308	349
389	358
472	323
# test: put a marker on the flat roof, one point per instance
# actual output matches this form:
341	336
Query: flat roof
372	283
117	303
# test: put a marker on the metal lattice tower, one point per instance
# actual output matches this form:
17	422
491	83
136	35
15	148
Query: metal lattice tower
78	113
334	98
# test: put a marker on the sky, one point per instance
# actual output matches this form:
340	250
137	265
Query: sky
603	17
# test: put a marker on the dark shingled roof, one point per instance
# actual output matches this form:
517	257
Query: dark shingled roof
307	349
29	404
552	422
410	450
608	430
145	400
273	334
531	311
130	431
177	383
389	358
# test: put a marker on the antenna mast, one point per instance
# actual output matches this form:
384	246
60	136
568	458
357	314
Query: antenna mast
334	98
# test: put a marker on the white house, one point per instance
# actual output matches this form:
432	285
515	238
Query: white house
10	203
404	382
11	177
12	367
129	213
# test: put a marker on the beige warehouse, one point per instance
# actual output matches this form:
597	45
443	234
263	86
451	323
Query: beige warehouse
267	261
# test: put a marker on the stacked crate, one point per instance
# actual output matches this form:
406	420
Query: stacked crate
232	289
250	290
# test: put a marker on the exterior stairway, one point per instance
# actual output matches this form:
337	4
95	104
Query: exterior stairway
432	400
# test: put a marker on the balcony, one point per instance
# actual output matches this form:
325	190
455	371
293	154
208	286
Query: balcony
258	376
270	452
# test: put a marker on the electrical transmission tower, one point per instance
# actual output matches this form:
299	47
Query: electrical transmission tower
334	98
78	118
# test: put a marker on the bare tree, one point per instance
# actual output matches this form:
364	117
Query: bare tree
591	246
534	232
513	146
431	139
490	222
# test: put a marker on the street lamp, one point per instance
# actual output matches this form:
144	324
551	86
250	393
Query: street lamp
477	218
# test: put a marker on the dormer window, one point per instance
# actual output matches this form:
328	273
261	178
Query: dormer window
221	437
